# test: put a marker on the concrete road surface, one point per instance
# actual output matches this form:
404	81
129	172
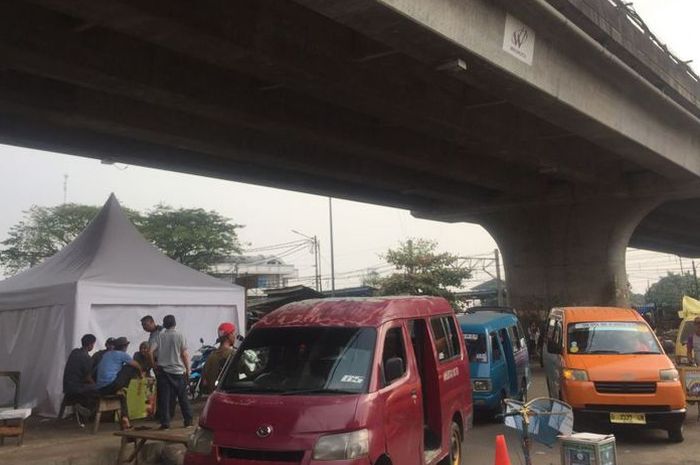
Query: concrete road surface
636	448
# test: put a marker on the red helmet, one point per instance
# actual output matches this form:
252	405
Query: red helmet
226	329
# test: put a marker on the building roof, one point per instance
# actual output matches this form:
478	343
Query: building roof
366	311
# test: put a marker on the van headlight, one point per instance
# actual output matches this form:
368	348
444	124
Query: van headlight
200	441
481	385
670	374
344	446
571	374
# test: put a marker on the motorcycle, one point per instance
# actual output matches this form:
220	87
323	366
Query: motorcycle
194	387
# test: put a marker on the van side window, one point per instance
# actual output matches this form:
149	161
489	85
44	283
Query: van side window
394	347
514	338
495	347
554	333
453	335
550	329
446	337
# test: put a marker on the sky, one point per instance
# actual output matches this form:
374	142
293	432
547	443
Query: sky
361	232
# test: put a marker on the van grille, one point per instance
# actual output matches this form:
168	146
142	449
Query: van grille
266	456
625	388
628	408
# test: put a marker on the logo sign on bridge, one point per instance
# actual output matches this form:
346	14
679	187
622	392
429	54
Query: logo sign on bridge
519	40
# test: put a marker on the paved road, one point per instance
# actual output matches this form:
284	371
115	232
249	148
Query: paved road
638	448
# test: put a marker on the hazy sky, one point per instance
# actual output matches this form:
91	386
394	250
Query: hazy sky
362	231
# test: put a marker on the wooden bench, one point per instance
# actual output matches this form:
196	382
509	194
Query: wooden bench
12	420
139	438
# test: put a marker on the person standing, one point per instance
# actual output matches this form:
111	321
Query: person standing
693	344
215	362
169	350
149	325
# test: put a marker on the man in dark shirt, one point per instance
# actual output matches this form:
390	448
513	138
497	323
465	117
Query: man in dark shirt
97	356
77	376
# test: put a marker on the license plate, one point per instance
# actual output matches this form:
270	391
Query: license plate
628	418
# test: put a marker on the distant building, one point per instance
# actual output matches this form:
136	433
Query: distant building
485	293
255	271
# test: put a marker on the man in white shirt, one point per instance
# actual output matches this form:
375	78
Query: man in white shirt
172	361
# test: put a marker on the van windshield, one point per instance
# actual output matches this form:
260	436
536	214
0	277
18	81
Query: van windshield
302	360
476	347
611	337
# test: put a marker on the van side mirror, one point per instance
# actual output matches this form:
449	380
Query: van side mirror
393	369
201	340
553	347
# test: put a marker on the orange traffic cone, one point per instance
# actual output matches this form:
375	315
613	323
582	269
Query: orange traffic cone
502	457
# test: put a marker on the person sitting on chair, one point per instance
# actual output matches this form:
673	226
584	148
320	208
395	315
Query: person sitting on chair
114	374
78	382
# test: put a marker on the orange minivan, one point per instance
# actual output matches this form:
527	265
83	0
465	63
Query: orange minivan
608	365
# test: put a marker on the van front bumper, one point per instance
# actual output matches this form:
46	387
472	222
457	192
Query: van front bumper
599	415
484	401
211	459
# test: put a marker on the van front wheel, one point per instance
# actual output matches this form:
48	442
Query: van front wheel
676	434
455	455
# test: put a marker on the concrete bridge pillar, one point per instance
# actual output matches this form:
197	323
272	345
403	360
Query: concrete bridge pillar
567	254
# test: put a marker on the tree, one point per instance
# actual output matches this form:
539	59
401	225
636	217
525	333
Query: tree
422	270
43	232
192	236
669	290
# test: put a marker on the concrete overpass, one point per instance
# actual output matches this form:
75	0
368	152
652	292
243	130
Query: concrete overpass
559	125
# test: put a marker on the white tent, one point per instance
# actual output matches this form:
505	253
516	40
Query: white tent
102	283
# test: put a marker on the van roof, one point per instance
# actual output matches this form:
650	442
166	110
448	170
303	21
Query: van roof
580	314
486	320
355	312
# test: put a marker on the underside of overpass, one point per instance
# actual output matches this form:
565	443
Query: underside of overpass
405	103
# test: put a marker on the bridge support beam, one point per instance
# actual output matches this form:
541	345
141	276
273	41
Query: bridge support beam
567	254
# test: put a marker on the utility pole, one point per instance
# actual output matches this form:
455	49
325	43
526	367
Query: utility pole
499	283
317	278
330	218
65	188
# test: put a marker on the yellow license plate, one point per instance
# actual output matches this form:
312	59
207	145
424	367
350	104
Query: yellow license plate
628	418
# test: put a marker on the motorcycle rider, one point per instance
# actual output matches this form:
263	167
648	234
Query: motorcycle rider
216	360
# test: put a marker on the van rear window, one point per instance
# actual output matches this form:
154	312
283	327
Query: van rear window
476	347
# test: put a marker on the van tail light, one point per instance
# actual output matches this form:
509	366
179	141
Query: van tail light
344	446
200	441
670	374
571	374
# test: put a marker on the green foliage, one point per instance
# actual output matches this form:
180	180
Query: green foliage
192	236
670	289
43	232
422	270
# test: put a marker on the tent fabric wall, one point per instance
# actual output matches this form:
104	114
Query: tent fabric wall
103	283
124	320
36	342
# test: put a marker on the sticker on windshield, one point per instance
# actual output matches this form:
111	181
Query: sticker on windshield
617	325
352	379
481	358
471	337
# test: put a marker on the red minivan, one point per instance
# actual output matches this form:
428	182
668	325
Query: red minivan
342	381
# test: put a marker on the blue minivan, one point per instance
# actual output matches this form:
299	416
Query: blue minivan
498	357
